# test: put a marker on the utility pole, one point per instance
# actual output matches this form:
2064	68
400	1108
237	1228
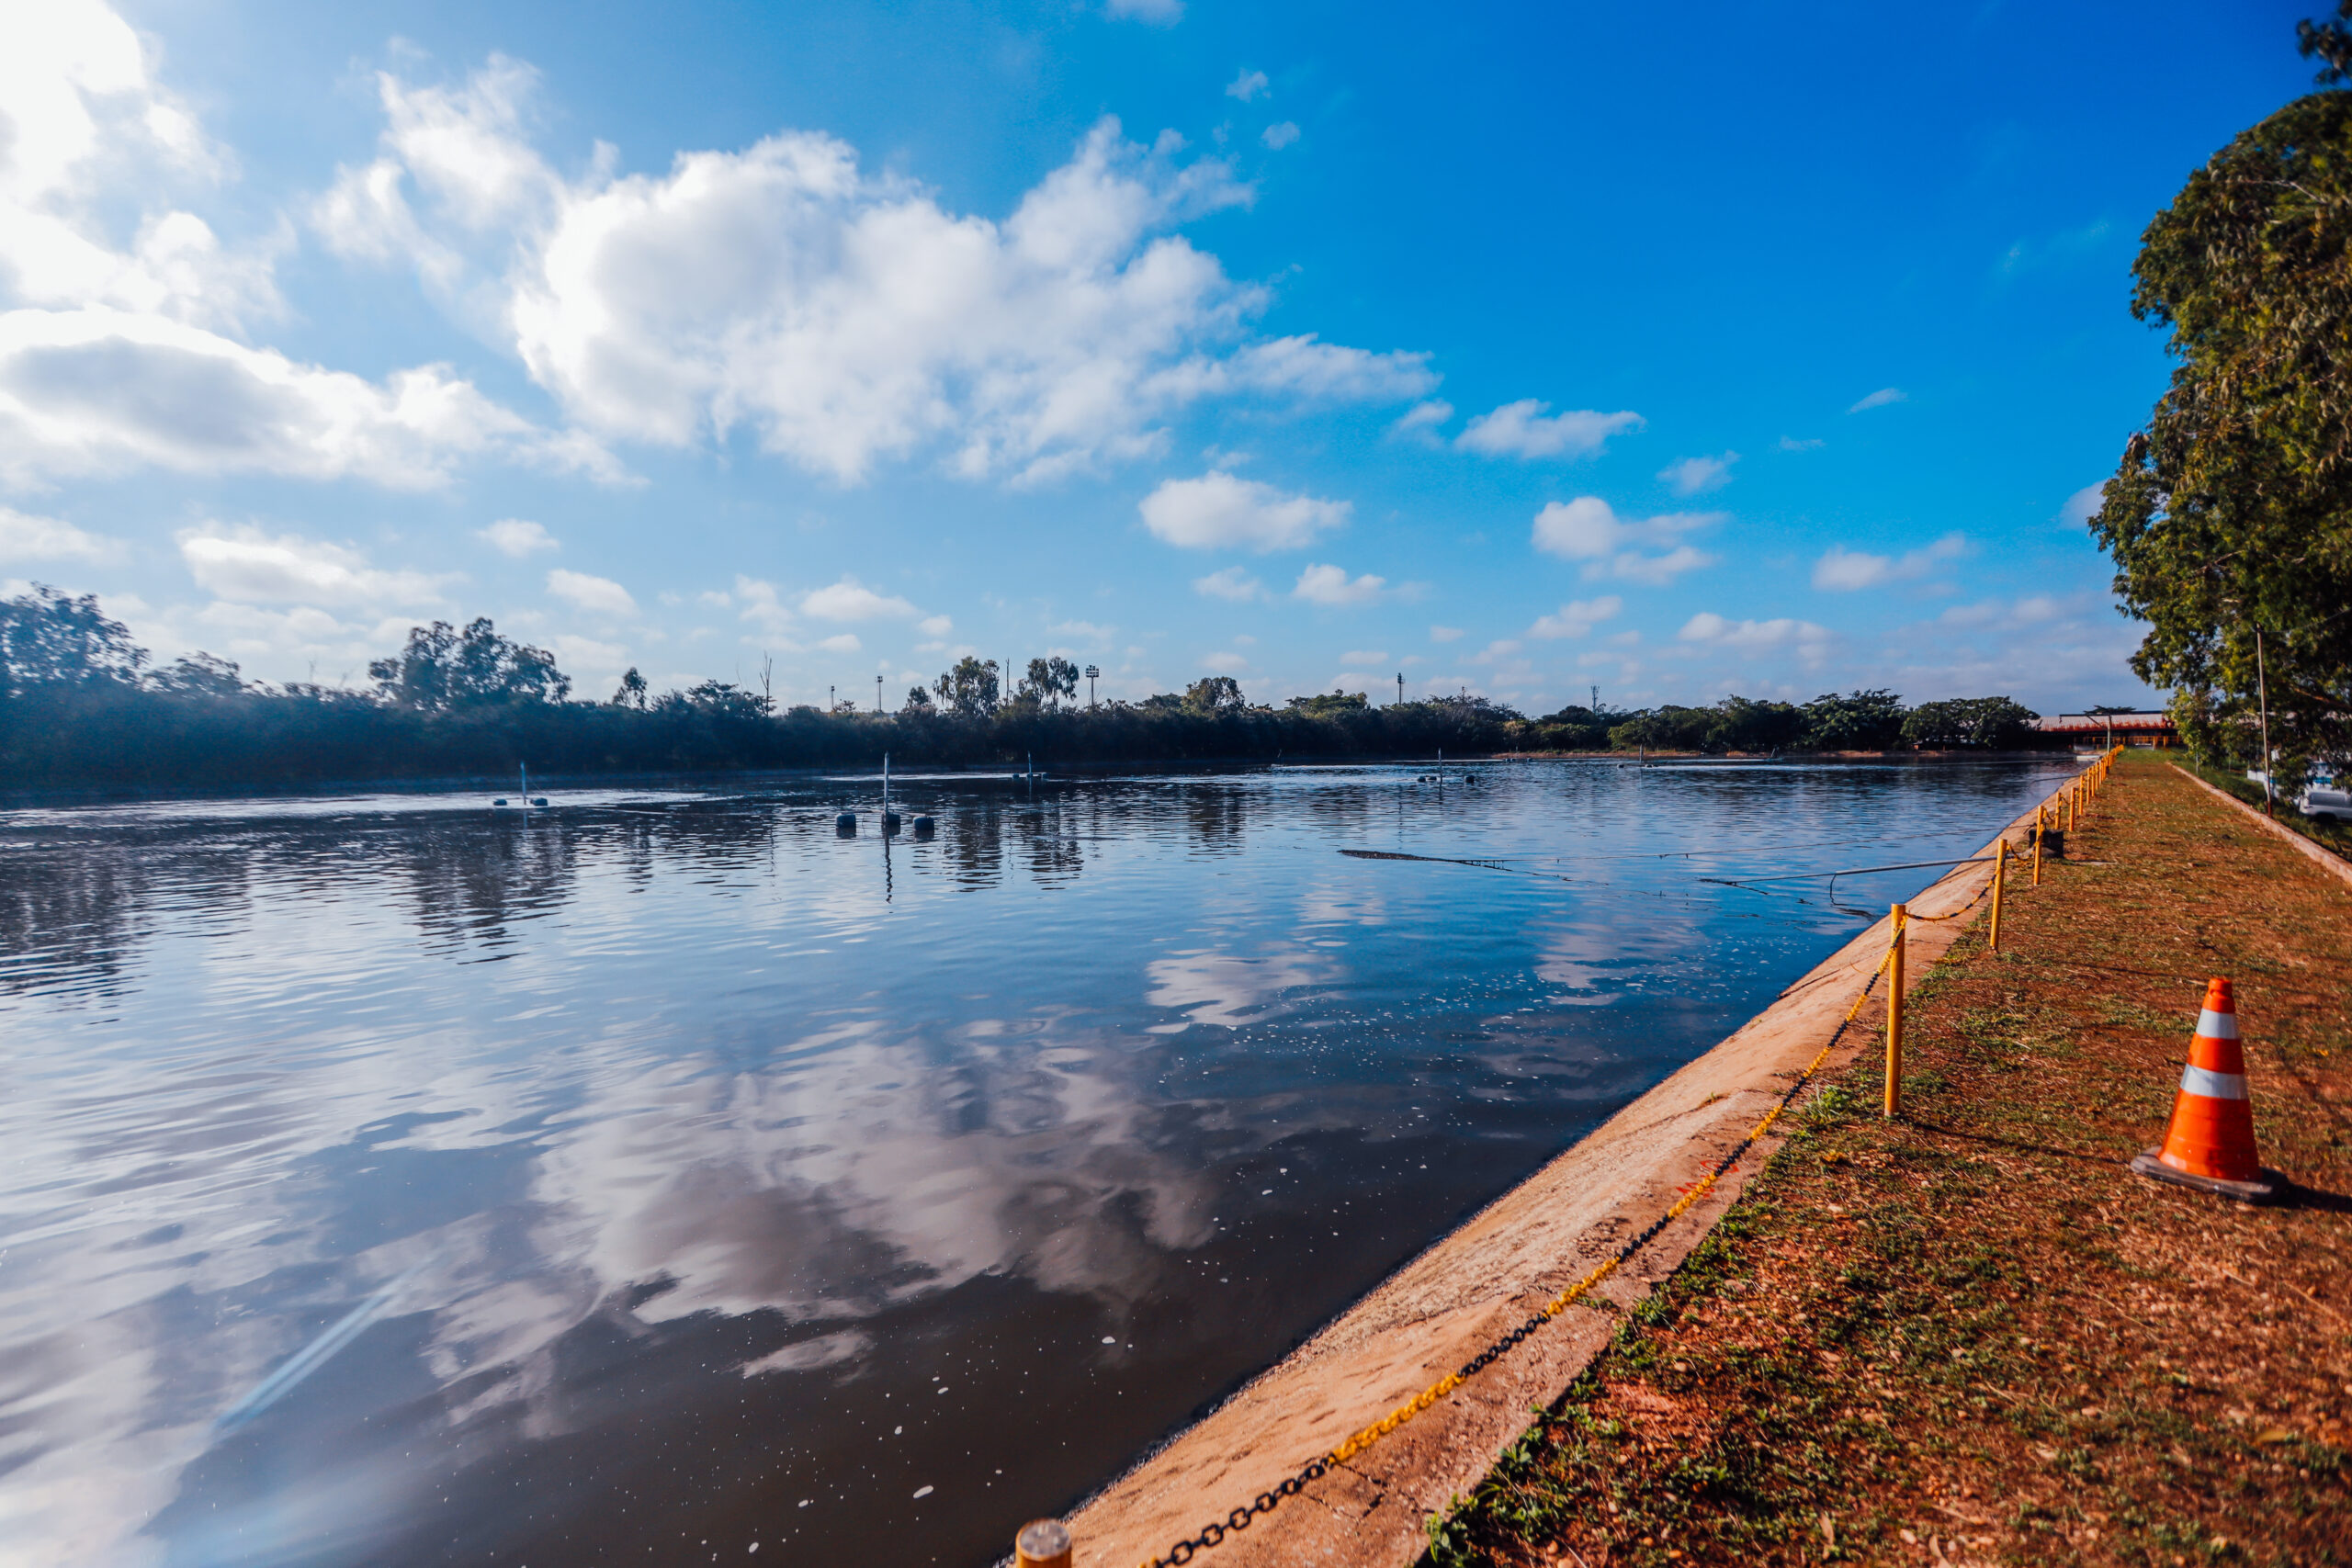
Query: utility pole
1091	671
1596	702
832	697
878	694
1400	686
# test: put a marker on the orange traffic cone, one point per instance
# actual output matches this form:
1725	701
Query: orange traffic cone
2209	1144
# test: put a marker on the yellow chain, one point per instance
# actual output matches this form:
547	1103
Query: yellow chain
1569	1297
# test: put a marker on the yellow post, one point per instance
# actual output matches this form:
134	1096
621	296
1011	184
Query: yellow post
2070	808
1042	1543
2000	870
2037	846
1897	916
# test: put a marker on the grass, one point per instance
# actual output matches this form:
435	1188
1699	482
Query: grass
1971	1335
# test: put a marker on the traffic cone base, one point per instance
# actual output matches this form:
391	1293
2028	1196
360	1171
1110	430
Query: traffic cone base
2209	1144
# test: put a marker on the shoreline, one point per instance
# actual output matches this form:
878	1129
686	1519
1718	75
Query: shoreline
1485	1276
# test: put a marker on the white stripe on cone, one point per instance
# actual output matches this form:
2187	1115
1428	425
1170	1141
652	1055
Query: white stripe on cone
2217	1025
2205	1081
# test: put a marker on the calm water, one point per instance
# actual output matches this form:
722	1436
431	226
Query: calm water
386	1181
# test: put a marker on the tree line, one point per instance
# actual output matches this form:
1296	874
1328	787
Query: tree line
82	704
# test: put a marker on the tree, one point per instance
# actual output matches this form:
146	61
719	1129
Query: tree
197	674
1751	724
1326	705
1993	722
1858	721
717	699
918	702
1214	695
49	639
1050	682
968	689
443	669
2230	518
631	692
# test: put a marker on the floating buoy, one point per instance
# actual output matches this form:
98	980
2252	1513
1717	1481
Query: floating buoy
889	823
923	826
500	801
541	800
846	824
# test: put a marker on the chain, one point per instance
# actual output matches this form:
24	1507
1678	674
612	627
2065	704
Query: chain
1240	1519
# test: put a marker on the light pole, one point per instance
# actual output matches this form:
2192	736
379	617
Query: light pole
1400	686
832	697
1091	671
878	694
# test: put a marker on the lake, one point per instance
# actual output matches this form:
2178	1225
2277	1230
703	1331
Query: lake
386	1179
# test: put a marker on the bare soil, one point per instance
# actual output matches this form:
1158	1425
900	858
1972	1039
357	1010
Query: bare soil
1971	1336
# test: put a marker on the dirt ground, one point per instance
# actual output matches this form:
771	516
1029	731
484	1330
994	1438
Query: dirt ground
1972	1336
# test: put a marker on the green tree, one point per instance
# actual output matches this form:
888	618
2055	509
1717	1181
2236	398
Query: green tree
1215	694
969	689
918	702
197	673
442	668
49	639
1995	723
2230	519
1858	721
1326	705
631	692
1050	682
1751	724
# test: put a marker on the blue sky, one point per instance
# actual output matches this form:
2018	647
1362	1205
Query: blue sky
1754	348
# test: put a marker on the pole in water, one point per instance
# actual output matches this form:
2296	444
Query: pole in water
886	783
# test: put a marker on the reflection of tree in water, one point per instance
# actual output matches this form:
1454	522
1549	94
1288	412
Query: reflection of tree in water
1053	857
69	915
974	850
1214	814
470	879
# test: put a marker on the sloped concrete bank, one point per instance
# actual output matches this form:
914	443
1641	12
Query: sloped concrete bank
1440	1308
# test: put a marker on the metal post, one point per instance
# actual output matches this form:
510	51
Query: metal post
1042	1543
2000	876
2037	846
1897	917
2262	694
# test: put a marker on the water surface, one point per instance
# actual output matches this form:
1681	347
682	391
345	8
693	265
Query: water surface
386	1180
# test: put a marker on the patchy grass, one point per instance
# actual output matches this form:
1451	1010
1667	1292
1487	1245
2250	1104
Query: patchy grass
1971	1336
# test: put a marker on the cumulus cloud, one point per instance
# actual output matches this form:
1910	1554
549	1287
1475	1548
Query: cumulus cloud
1364	656
935	625
598	595
850	600
1423	421
1807	444
1220	511
1280	134
839	642
1841	569
1577	618
1331	585
1157	13
1231	583
247	565
1225	663
1249	85
100	390
24	537
1695	476
514	537
1523	430
1707	628
1587	529
1880	399
1446	634
1084	631
2084	504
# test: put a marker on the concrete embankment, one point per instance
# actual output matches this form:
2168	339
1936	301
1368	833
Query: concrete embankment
1446	1306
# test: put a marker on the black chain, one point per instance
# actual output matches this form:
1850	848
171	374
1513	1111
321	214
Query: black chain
1241	1519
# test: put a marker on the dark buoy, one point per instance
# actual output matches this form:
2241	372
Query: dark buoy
846	824
540	800
889	823
500	801
924	827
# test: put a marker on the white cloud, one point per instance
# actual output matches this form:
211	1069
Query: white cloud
1280	134
1588	530
762	606
24	537
2084	504
1423	419
1364	656
1495	651
850	600
1810	442
514	537
1808	640
1084	631
1230	583
1694	476
1446	634
935	625
1331	585
1841	569
100	390
1225	663
246	564
1880	397
1220	511
598	595
841	642
1577	618
1249	85
1523	430
1157	13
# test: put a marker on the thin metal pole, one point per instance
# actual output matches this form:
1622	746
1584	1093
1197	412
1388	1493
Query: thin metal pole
2000	876
2262	694
1897	917
2037	846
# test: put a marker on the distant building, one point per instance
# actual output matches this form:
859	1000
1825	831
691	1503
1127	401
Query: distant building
2110	728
